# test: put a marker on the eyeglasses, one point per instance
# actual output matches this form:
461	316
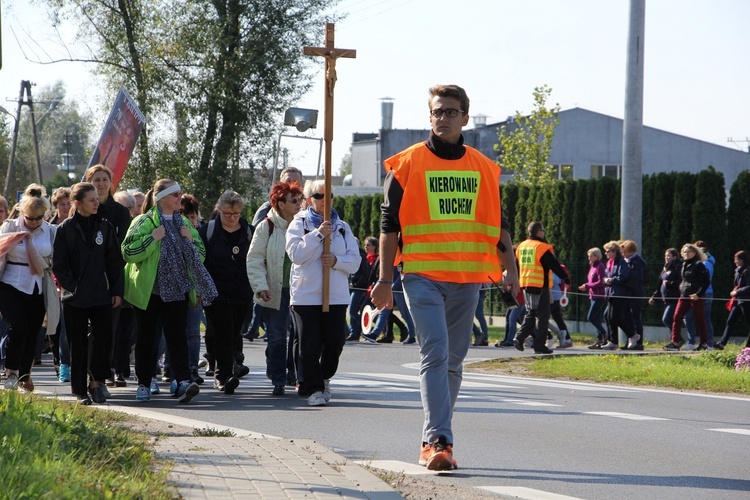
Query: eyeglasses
319	196
293	201
611	251
449	112
231	214
33	218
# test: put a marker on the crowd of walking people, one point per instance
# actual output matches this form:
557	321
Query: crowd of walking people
125	280
138	281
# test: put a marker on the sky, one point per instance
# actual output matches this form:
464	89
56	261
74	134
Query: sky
695	78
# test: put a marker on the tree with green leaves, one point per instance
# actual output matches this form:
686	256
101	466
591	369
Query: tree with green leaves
682	209
346	164
738	213
220	72
526	141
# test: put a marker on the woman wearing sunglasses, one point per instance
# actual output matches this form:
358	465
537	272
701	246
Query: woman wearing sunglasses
164	271
26	259
268	269
321	334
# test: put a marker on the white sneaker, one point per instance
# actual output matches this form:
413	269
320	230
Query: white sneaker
689	347
327	390
550	342
610	346
633	341
316	399
11	382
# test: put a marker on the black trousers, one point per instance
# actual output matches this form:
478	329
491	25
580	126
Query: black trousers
173	316
226	320
619	316
536	320
24	314
124	340
739	311
77	327
321	341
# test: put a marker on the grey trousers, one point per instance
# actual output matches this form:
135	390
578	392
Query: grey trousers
443	314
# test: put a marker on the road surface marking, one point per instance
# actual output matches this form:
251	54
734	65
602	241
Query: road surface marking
526	493
746	432
627	416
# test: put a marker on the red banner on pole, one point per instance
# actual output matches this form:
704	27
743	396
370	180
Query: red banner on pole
119	136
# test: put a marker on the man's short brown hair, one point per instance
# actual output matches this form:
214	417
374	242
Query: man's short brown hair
453	91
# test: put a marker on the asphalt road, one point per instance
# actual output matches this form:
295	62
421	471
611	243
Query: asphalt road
514	436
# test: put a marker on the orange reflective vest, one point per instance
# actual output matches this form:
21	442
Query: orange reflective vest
449	215
529	254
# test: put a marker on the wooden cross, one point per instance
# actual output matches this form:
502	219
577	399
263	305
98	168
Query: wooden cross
330	54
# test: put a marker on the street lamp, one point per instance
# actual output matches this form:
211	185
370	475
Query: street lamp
302	119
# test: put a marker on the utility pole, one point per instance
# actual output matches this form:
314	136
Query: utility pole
631	203
28	101
66	163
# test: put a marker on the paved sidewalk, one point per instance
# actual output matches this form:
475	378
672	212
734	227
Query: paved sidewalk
247	467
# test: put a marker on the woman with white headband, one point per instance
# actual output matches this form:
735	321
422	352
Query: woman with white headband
164	270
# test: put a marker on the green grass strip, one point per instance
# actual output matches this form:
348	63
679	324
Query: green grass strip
711	371
54	449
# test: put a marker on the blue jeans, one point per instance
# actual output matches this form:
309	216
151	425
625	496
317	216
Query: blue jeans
278	331
512	318
442	314
690	321
194	318
479	315
400	299
381	323
595	316
260	319
668	315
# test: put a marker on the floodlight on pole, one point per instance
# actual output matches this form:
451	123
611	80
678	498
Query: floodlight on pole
302	119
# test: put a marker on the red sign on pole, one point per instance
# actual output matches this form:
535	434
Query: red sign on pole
118	139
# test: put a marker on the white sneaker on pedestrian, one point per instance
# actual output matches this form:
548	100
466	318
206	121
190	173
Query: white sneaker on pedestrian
550	343
327	390
316	399
633	341
610	346
689	347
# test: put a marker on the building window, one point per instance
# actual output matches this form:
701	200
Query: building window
612	171
563	172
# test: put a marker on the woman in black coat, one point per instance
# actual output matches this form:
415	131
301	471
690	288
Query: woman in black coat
669	289
88	265
740	303
695	282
